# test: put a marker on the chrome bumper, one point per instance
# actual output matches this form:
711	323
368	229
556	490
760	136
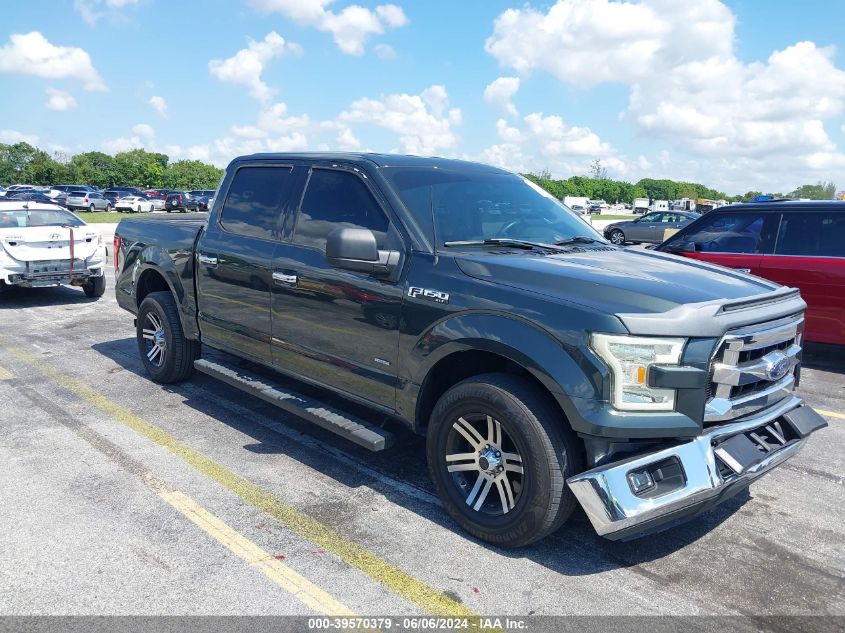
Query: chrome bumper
617	512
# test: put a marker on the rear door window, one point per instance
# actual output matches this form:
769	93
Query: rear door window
747	232
255	202
815	234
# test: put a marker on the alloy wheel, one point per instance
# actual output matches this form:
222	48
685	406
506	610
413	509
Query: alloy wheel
480	457
155	340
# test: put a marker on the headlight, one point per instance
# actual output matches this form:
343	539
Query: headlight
629	358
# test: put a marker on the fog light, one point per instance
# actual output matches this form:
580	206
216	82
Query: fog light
640	481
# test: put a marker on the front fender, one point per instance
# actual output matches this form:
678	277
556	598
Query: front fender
564	369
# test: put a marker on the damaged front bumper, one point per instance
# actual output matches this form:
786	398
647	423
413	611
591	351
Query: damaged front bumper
652	492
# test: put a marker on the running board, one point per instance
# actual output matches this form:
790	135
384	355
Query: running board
325	416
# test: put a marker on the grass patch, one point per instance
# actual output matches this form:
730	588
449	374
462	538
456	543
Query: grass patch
606	216
99	217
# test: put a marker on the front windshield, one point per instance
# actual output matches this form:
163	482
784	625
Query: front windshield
476	205
21	218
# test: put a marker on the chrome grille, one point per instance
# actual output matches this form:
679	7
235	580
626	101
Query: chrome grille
753	367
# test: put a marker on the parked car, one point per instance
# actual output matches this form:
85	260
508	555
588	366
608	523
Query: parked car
179	201
88	201
134	204
649	228
36	243
798	244
544	366
196	193
26	194
157	197
69	189
113	194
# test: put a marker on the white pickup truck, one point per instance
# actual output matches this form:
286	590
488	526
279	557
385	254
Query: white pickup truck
46	245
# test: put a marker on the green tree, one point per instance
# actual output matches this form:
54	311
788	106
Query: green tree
191	174
819	191
140	168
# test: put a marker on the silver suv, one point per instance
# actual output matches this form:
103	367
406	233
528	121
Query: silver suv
87	201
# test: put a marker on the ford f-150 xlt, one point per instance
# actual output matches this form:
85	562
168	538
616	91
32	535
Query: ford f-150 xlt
543	364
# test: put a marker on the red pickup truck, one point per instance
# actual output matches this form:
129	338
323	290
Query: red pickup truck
798	244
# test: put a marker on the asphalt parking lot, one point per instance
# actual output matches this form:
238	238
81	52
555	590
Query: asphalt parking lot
121	496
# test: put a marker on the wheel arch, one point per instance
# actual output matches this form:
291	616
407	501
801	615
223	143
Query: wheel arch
485	343
157	272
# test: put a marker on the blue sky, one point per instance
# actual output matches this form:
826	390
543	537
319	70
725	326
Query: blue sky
657	88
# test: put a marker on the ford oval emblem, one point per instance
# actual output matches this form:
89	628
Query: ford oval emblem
777	366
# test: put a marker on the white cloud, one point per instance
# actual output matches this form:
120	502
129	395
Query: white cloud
350	27
422	121
500	92
548	142
159	104
59	100
13	136
143	137
247	65
32	54
687	84
384	51
92	11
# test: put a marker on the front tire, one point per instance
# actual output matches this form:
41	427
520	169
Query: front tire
499	454
166	354
108	208
95	287
617	237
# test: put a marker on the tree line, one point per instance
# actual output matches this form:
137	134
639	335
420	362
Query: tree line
23	163
597	186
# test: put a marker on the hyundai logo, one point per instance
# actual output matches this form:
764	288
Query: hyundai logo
55	236
777	365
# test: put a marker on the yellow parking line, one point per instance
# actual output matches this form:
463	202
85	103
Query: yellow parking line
5	374
831	414
278	572
425	597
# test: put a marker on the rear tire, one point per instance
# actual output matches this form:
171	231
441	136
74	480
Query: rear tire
92	208
174	361
95	287
520	437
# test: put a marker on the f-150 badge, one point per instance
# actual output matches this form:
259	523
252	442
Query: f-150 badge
428	294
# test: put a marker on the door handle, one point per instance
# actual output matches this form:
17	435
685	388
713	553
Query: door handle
288	279
207	260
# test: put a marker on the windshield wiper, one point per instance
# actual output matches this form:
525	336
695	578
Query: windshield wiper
497	241
578	239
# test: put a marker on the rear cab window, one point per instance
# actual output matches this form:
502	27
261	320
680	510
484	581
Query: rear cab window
255	201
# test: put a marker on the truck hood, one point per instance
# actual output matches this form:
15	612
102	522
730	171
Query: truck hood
40	243
614	280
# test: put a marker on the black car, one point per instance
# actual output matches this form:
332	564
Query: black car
543	365
34	196
180	201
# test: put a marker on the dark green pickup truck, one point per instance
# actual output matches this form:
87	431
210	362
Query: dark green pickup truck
544	365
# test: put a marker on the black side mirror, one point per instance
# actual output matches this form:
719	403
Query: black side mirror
356	249
681	246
